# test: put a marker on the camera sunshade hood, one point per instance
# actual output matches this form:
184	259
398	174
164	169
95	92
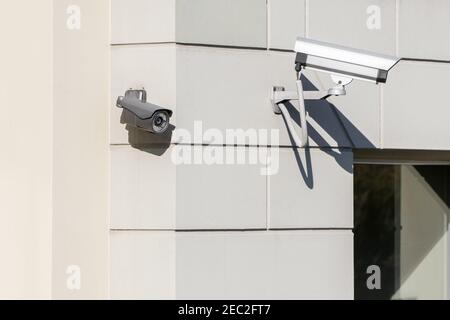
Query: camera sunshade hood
135	101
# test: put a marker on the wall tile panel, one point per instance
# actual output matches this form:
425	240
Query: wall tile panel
142	21
424	29
415	114
287	21
363	24
222	22
313	189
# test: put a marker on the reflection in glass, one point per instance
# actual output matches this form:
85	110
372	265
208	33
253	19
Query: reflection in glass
401	225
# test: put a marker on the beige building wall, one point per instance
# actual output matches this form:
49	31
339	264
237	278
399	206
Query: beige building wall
57	144
26	137
54	136
80	148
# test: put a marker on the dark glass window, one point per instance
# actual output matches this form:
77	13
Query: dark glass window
401	227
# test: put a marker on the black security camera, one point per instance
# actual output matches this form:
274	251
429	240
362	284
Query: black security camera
138	113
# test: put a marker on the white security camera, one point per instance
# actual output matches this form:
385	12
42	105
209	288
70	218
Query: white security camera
138	113
342	63
339	60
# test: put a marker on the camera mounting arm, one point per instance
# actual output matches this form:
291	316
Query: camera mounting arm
280	96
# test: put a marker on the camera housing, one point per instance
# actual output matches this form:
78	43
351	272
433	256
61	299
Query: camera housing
344	61
138	113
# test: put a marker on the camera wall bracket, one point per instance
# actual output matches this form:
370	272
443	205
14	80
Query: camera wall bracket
279	96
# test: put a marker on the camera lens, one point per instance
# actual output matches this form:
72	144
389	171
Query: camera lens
160	122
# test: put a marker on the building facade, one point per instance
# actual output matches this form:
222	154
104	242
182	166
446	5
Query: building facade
224	205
